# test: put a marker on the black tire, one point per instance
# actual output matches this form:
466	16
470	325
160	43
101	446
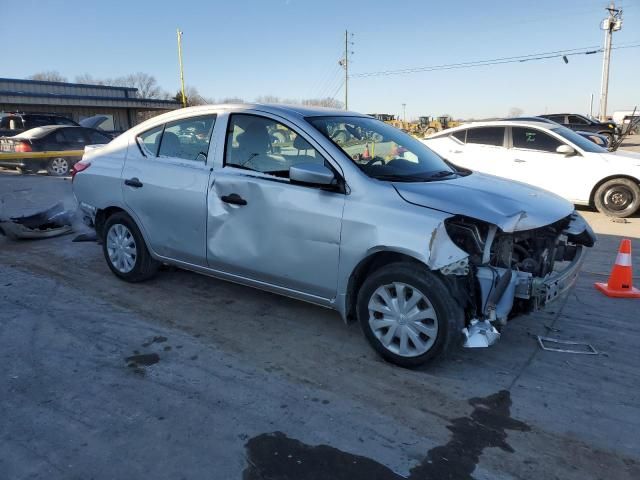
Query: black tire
609	136
619	197
59	167
450	316
144	266
27	170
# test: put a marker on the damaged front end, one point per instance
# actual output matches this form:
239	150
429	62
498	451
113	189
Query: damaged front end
517	271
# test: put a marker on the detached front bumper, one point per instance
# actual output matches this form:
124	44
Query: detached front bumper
550	288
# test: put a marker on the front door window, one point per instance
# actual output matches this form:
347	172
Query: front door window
265	145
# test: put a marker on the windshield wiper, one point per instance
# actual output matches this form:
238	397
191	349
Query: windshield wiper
401	178
441	174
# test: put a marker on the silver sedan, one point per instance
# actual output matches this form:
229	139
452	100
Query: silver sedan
335	208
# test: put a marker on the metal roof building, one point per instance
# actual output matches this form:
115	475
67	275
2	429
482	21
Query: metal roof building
78	101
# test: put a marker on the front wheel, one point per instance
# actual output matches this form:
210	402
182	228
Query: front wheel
610	138
125	250
59	167
619	197
408	314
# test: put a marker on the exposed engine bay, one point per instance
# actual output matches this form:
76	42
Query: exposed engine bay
516	272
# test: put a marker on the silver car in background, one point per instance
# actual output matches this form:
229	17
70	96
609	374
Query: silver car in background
334	208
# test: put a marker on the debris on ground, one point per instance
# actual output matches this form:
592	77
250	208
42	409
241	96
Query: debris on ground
86	237
48	223
572	347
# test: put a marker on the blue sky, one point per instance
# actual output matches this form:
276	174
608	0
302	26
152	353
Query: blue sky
290	48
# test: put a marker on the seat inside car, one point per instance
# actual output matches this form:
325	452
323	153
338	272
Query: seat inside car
170	146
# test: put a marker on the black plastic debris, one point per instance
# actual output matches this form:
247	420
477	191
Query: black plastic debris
49	223
86	237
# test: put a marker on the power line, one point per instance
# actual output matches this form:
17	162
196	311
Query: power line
494	61
342	83
322	80
331	85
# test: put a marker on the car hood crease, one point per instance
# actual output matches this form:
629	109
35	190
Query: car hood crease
512	206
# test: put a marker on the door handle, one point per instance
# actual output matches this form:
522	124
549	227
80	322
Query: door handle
133	182
519	160
455	151
233	199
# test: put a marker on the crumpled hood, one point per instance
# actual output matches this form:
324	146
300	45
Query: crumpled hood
510	205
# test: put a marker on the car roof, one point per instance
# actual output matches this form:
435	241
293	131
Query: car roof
39	132
496	123
296	110
283	110
32	114
551	114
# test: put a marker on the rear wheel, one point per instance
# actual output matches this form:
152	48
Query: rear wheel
59	167
27	170
125	251
609	137
408	314
619	197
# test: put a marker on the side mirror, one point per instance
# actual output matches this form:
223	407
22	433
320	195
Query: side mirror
313	174
566	150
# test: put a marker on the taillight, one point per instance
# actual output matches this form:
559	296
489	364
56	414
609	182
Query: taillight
79	167
23	147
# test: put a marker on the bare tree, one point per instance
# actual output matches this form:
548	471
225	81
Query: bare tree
324	102
232	100
146	84
88	79
48	76
515	112
193	97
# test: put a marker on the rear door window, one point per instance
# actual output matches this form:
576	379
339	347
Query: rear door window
461	135
533	139
557	118
576	120
149	141
188	138
493	136
61	121
97	137
74	135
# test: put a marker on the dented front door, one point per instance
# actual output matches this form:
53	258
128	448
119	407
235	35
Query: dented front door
270	230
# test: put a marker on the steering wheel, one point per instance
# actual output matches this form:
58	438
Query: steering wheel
374	160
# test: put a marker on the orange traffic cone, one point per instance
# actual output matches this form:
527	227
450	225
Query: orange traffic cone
620	282
366	153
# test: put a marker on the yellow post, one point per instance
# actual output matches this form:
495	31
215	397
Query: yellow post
184	98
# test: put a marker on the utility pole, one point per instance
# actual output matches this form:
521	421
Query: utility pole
184	98
344	63
611	24
346	70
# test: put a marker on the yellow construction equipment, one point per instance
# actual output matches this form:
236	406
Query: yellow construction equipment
424	127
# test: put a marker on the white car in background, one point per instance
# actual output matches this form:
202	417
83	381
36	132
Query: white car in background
548	156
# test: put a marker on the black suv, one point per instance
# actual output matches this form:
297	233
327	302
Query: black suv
585	124
13	123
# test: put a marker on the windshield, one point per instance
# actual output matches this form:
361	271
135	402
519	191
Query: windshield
382	151
582	142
